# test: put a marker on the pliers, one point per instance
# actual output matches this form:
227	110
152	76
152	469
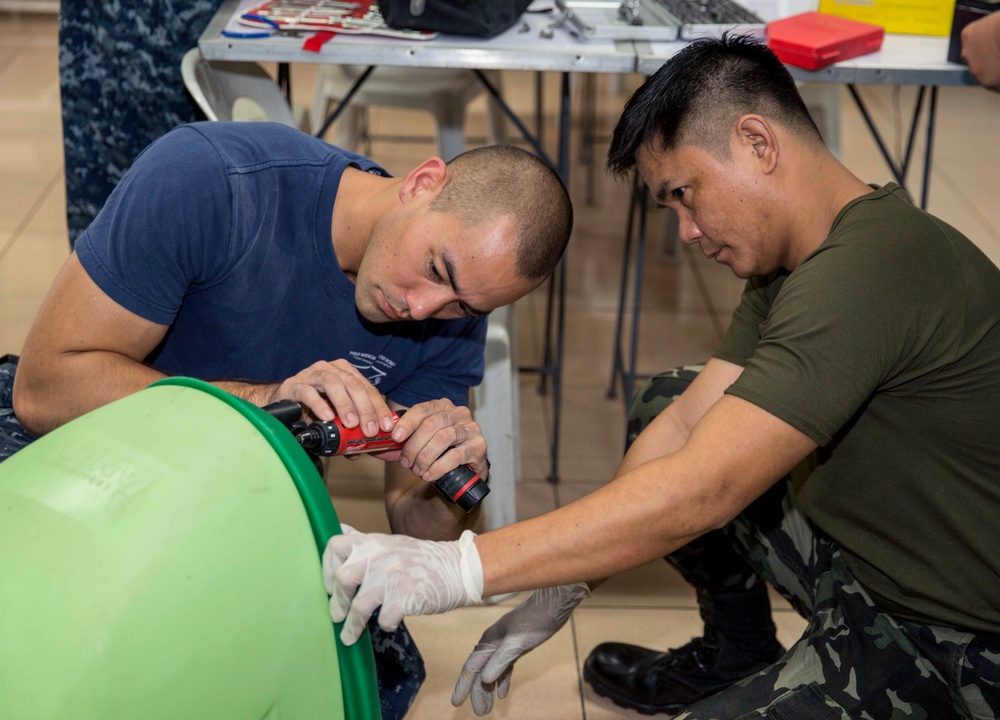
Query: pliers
272	29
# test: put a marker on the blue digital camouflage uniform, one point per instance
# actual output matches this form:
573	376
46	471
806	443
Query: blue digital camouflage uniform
13	437
120	77
853	661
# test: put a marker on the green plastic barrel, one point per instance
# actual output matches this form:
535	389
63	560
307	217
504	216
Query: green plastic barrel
160	558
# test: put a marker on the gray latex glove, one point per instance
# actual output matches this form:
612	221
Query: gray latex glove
403	575
524	628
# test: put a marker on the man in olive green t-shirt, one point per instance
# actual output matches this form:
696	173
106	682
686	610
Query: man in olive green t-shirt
894	372
843	444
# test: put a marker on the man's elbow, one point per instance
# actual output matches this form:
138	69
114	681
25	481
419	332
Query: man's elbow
33	409
717	521
722	506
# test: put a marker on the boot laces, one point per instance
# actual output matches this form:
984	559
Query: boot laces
699	655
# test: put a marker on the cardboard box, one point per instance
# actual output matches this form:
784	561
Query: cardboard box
814	40
909	17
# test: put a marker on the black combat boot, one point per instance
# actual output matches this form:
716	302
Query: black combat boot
739	640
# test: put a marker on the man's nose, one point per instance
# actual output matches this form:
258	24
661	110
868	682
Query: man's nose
426	303
687	228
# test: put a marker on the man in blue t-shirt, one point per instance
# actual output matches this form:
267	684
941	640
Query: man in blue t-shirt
279	267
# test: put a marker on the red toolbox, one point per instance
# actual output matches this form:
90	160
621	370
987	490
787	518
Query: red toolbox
814	40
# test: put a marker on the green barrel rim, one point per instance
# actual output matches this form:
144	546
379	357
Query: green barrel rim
357	661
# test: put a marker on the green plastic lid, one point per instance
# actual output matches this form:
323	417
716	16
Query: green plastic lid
156	563
357	661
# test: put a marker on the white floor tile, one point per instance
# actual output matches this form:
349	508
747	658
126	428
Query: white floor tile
544	685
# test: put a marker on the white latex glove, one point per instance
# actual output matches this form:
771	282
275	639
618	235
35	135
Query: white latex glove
403	575
524	628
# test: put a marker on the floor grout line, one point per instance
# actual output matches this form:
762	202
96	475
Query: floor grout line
577	665
32	211
942	175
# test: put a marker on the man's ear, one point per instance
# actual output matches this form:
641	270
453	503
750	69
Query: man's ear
428	176
757	134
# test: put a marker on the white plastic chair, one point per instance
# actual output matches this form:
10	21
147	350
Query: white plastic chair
496	406
444	93
237	91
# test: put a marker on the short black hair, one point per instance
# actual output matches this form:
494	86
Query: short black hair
507	180
697	95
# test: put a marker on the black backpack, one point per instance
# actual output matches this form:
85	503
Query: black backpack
479	18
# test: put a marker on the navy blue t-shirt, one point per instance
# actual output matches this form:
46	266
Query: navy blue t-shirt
222	231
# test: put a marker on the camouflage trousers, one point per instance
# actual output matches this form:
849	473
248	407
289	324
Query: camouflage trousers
853	660
13	437
399	668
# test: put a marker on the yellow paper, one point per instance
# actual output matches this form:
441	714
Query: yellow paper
910	17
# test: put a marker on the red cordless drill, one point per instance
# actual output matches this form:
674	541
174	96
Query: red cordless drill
462	486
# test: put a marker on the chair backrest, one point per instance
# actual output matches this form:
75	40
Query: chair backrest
234	90
496	405
442	92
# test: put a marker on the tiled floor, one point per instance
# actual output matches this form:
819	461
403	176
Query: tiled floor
685	307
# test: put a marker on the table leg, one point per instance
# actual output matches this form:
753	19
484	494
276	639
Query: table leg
552	358
285	82
345	101
899	171
625	371
929	150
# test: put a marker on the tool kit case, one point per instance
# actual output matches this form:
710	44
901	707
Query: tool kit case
814	40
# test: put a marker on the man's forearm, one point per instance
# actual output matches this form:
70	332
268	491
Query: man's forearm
734	454
73	384
259	394
669	431
632	520
667	434
80	382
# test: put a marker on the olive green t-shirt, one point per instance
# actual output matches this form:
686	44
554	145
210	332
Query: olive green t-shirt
883	347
